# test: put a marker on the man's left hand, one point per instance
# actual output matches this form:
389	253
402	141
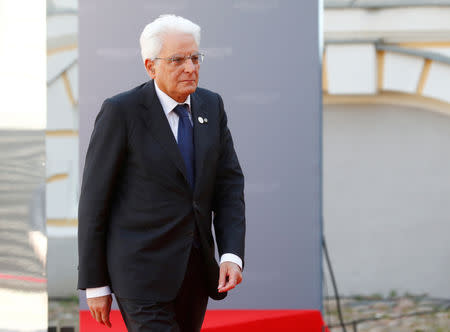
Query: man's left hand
230	276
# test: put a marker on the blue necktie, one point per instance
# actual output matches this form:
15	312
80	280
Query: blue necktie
185	137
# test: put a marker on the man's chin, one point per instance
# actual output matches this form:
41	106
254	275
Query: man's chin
190	88
182	94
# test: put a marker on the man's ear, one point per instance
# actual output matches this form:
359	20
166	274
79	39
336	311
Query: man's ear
150	66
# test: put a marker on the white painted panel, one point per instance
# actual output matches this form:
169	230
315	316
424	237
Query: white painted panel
57	199
66	4
62	25
62	155
72	73
59	62
60	112
61	199
62	158
351	69
62	231
387	20
62	262
401	72
386	189
437	85
22	64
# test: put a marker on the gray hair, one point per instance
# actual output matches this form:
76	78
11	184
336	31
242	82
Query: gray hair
152	36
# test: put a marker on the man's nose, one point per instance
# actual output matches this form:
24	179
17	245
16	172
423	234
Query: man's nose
189	66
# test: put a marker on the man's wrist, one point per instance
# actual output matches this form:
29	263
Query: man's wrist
98	291
228	257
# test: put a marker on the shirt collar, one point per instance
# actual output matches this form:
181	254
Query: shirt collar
167	103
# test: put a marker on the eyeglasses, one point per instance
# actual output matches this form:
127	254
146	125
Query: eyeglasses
178	60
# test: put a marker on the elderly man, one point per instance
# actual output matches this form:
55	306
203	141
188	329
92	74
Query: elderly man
160	168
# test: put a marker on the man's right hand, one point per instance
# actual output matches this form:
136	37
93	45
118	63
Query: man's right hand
100	308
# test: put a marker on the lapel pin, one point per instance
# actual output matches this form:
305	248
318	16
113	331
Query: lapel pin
200	119
205	119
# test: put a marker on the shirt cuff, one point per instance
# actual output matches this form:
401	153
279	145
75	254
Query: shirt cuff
231	258
97	291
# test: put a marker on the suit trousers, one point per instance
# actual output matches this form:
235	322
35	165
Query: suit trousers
183	314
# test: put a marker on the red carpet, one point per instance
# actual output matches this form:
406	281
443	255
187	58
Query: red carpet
232	321
263	320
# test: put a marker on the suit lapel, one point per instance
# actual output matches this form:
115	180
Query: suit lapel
156	121
200	136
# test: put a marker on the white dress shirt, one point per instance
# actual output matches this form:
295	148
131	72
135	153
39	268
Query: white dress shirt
168	104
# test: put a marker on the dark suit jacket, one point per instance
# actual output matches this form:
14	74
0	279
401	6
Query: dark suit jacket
137	211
